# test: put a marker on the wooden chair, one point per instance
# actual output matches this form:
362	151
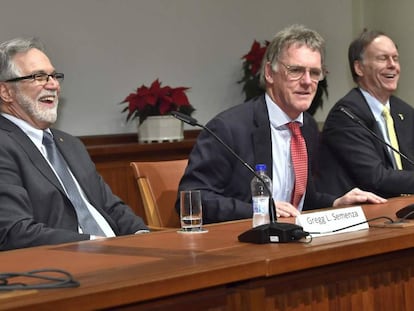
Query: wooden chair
158	186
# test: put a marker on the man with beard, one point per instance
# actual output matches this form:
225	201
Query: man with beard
50	191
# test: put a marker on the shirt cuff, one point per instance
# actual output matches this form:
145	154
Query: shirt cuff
142	231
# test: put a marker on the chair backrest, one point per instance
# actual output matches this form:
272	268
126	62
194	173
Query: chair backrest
158	185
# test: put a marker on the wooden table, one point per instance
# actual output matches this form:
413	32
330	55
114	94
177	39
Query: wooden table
366	270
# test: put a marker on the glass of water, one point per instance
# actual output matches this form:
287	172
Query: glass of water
191	211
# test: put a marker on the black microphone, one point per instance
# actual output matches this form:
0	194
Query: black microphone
274	232
358	121
406	212
189	120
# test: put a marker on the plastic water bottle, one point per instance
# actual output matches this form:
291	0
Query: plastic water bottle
260	196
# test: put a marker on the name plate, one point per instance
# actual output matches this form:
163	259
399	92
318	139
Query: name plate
332	221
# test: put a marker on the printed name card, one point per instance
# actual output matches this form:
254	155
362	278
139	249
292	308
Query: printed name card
333	221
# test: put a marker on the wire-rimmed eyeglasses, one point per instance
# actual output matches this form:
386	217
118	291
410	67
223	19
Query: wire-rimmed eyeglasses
296	72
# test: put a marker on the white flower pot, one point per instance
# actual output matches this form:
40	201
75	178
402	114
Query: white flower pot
160	128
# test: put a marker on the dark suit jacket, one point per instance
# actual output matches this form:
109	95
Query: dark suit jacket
224	181
34	209
352	157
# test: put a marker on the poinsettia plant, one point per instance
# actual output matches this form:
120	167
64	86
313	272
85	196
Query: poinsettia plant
251	74
156	100
251	69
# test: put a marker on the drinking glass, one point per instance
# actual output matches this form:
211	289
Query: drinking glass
191	211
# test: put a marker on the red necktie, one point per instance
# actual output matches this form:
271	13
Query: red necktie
300	162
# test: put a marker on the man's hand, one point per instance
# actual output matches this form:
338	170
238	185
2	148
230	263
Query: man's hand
285	209
356	195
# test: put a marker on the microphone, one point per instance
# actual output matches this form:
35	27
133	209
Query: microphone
274	232
358	121
189	120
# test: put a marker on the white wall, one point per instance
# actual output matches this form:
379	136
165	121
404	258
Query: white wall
395	18
107	48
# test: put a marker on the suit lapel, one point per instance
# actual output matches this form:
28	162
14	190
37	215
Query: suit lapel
33	154
402	122
68	153
310	142
399	122
368	118
262	136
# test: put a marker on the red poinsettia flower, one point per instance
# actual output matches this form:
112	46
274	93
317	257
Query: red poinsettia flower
251	66
255	55
250	80
156	100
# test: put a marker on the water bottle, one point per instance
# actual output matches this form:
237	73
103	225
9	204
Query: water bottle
260	196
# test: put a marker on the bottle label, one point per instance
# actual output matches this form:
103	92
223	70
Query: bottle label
260	205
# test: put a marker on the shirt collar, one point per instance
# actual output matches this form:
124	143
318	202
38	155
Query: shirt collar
374	104
278	118
35	135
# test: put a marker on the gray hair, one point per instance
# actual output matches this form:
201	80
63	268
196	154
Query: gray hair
9	49
294	34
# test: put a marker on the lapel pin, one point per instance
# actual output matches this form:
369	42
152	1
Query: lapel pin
401	116
60	139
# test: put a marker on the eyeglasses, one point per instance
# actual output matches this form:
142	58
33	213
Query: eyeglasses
41	77
296	72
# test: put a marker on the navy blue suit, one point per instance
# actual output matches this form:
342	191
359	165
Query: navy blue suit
351	157
224	181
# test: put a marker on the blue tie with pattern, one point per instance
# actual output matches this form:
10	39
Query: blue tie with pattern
85	219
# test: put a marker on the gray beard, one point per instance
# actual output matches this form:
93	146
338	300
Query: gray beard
35	110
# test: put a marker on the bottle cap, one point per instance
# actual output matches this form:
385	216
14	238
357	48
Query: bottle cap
260	167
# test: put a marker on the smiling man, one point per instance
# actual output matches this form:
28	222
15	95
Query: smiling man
50	191
262	131
350	155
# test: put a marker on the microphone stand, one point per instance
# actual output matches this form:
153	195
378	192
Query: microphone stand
359	122
274	232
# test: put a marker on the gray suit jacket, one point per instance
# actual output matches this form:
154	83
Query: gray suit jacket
34	209
224	181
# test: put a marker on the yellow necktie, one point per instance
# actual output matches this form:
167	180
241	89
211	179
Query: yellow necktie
392	136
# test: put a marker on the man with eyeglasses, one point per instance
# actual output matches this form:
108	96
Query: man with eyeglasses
351	155
261	131
50	191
